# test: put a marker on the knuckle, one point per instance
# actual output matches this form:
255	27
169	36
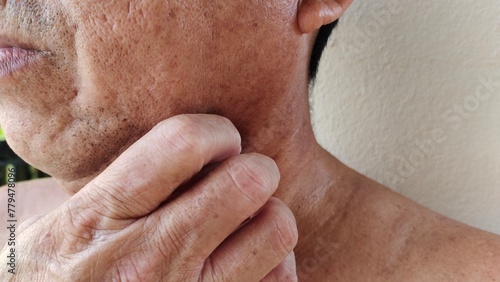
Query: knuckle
80	217
107	200
79	227
255	176
212	271
172	238
169	244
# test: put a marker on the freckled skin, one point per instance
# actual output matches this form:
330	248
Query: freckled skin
119	67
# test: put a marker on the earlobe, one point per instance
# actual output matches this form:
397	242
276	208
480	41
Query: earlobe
313	14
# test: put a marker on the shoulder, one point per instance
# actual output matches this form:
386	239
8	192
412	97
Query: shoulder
30	198
395	239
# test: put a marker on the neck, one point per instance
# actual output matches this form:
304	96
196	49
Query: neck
314	184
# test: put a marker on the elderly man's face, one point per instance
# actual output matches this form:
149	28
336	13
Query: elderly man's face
115	68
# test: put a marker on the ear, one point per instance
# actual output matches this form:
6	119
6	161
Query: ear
313	14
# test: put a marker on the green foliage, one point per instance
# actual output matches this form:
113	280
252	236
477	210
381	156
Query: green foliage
2	137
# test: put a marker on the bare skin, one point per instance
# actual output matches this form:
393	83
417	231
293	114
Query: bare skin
350	228
359	229
126	224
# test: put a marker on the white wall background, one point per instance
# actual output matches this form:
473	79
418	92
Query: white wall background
409	95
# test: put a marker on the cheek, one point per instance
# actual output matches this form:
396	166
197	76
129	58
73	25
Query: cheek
98	54
119	53
115	94
255	46
36	108
137	65
142	58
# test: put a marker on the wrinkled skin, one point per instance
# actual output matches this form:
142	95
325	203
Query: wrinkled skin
113	70
118	228
117	68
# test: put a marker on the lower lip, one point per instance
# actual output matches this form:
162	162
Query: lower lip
14	59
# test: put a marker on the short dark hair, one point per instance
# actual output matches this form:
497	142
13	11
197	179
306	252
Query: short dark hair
319	45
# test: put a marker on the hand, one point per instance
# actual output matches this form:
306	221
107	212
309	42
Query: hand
125	225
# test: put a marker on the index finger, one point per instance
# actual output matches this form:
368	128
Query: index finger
144	176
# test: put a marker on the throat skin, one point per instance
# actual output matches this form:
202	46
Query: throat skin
351	227
316	186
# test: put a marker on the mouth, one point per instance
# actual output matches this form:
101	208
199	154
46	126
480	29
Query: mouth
16	57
